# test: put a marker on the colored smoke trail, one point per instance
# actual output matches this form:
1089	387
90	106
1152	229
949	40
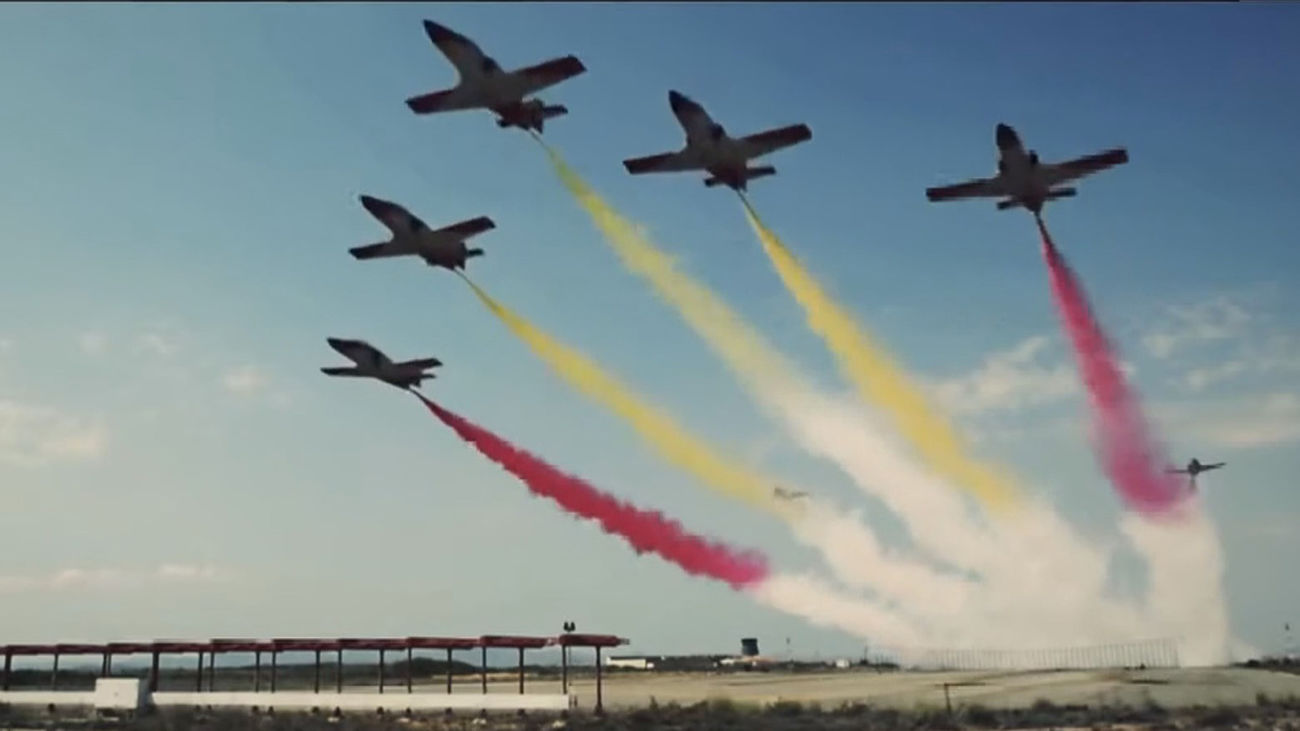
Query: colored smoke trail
651	531
846	544
672	441
879	381
644	530
1131	458
1023	561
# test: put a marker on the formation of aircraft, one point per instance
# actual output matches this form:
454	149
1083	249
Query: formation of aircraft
711	149
482	83
1022	180
443	247
1194	468
1025	181
371	362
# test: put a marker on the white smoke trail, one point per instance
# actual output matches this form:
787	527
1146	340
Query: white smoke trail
1185	586
808	597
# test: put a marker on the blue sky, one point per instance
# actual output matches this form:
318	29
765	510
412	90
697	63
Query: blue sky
182	184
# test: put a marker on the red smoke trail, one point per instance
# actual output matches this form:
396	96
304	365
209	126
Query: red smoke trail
645	530
1132	460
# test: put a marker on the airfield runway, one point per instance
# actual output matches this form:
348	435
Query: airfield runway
994	689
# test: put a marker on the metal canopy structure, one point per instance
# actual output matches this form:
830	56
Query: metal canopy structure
274	647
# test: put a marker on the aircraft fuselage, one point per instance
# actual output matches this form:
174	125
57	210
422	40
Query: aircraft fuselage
723	156
437	249
1022	179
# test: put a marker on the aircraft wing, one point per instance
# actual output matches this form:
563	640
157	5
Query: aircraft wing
668	162
463	53
378	251
396	218
533	79
1214	466
419	364
979	188
469	227
357	351
1079	167
1177	471
761	143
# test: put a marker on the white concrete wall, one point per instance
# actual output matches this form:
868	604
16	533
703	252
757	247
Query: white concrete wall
130	693
46	697
370	701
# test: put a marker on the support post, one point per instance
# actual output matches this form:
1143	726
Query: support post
483	668
54	674
317	684
198	675
338	673
600	705
449	670
212	670
521	671
409	654
153	673
564	669
257	671
9	661
106	670
381	670
274	656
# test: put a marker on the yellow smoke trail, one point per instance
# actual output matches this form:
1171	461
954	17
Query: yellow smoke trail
881	382
671	440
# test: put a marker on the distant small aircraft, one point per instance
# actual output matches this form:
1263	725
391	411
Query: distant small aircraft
1194	468
444	247
372	363
709	148
1023	179
787	494
483	85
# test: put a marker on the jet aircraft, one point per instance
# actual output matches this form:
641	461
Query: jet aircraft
444	247
1025	181
482	84
372	363
1195	468
788	494
710	148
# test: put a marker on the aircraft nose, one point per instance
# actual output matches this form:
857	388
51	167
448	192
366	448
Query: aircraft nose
335	343
676	100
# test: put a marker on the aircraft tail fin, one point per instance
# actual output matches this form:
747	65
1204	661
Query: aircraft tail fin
469	253
1061	193
1009	203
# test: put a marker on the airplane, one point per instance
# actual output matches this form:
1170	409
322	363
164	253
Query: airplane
709	148
482	84
786	494
1194	468
1023	180
444	247
372	363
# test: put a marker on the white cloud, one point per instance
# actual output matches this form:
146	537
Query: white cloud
244	380
1010	379
93	343
158	343
1216	319
111	578
32	435
1261	421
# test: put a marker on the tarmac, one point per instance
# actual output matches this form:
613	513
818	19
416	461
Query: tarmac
1171	688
